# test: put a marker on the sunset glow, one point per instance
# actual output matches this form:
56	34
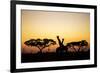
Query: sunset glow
48	24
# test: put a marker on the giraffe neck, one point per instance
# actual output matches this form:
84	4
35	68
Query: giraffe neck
60	43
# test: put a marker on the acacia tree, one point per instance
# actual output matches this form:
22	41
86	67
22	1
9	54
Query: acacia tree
83	43
40	43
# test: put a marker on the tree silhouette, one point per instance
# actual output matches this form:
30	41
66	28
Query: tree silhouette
40	43
78	43
72	44
83	43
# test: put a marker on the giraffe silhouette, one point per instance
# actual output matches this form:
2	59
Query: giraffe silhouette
61	48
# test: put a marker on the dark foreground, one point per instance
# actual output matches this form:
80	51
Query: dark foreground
44	57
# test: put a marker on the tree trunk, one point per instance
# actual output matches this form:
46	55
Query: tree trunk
40	50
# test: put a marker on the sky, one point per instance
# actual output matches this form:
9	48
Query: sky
72	26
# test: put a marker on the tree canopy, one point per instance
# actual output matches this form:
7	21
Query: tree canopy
40	43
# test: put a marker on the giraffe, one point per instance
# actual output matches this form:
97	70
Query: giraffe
61	48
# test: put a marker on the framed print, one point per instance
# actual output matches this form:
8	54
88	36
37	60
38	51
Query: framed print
51	36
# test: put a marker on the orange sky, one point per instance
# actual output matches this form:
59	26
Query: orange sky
48	24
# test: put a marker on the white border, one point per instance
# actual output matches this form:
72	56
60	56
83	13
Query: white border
20	65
